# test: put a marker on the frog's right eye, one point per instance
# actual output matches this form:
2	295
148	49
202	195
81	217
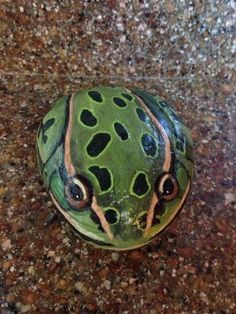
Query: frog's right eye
167	187
78	192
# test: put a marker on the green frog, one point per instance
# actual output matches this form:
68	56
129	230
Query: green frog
117	163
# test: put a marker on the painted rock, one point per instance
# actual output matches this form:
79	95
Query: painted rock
117	164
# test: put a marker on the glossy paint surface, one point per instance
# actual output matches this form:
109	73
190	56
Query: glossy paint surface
117	163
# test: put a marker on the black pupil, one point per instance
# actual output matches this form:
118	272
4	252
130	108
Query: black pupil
76	192
168	187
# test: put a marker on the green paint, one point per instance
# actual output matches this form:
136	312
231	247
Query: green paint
124	159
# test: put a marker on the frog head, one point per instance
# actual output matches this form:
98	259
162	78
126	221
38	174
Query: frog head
117	163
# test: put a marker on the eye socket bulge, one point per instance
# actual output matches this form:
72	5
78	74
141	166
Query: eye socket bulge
78	192
75	192
167	187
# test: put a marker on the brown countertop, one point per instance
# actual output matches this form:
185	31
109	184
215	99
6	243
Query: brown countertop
184	53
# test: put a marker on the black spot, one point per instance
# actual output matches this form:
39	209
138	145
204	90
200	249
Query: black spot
96	96
142	220
48	124
141	114
98	144
121	131
180	146
119	102
45	139
159	208
140	185
96	220
103	176
100	228
88	118
111	216
45	127
155	221
149	145
127	96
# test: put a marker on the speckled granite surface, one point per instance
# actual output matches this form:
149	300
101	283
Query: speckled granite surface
183	51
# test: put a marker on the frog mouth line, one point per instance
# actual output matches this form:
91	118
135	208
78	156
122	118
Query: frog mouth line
102	218
68	218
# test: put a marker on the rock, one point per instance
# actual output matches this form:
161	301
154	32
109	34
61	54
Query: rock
31	270
103	273
25	308
2	191
136	255
79	285
131	290
107	284
50	253
57	259
132	280
124	284
115	256
91	307
229	198
7	264
29	296
6	245
90	302
62	284
186	252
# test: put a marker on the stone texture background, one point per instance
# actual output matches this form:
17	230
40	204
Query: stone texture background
181	50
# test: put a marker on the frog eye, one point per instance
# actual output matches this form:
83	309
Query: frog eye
167	187
78	192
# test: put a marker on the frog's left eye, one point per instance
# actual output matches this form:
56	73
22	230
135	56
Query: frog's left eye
167	187
78	192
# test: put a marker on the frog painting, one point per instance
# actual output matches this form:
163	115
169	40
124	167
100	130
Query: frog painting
117	163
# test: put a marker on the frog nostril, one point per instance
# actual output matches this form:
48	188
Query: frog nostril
112	216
